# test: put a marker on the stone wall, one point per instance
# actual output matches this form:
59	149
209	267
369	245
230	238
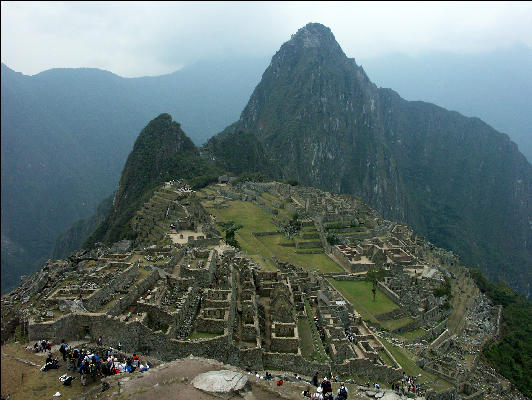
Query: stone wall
204	242
157	314
104	294
447	395
259	234
134	336
416	323
134	293
394	314
364	367
295	363
388	292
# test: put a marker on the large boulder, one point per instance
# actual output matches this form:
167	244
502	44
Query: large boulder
224	381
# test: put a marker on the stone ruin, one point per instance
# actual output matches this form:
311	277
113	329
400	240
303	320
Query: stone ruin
171	300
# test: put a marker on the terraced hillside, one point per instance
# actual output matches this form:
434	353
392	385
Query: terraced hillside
317	282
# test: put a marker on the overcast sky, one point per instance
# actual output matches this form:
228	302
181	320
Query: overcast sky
138	39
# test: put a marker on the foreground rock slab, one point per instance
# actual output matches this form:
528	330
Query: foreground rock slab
224	381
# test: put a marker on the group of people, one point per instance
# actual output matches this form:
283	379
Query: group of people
324	390
90	364
406	385
42	346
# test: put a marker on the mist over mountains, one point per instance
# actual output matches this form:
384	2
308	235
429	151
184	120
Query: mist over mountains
66	133
494	86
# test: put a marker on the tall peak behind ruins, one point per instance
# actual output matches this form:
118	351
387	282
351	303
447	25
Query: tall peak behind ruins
320	119
161	152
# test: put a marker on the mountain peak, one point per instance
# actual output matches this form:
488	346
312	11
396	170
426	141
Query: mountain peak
314	35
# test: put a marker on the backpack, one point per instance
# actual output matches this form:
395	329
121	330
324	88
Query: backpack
343	393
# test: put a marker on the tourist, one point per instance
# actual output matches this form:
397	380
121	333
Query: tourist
145	367
319	394
306	393
66	379
63	349
99	341
136	360
83	373
315	379
342	392
326	386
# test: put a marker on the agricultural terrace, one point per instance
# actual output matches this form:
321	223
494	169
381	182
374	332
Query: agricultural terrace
262	248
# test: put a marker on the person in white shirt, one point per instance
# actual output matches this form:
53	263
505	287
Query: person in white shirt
319	394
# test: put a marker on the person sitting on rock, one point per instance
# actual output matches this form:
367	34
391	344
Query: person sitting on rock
144	368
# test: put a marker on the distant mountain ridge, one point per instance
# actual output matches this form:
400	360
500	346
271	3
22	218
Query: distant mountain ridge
66	134
455	179
495	86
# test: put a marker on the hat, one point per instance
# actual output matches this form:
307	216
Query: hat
325	378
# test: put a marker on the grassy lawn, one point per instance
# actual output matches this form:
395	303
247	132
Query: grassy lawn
396	323
312	346
386	358
305	338
410	335
359	294
460	301
202	335
318	262
255	219
407	360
